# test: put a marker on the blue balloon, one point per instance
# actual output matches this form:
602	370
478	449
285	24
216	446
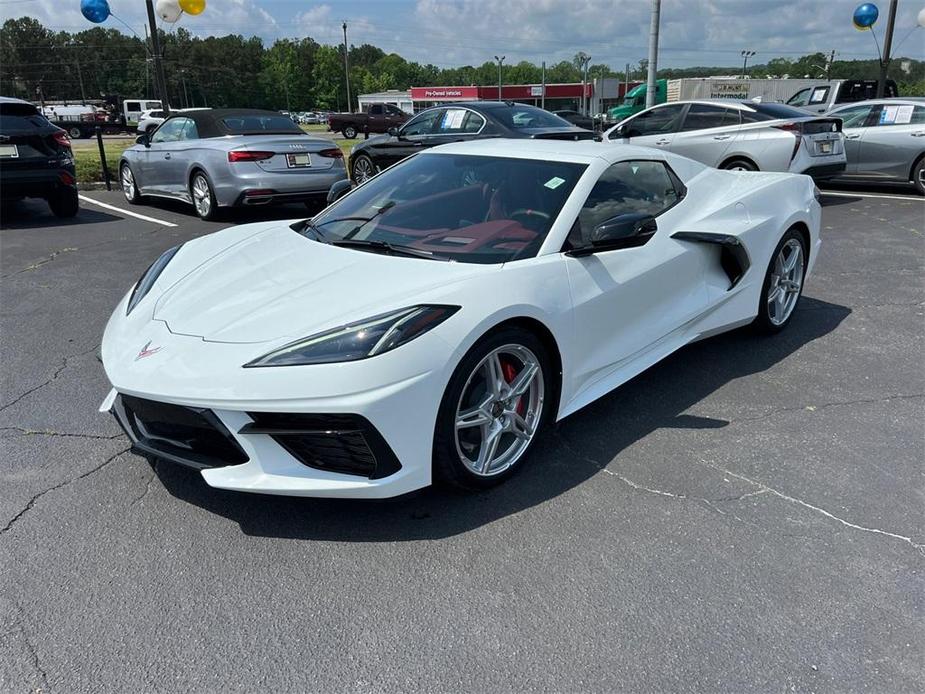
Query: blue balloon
96	11
865	15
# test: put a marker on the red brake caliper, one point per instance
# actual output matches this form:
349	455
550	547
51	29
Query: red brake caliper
510	373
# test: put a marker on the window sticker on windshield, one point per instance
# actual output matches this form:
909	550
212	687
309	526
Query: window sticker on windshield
452	119
554	182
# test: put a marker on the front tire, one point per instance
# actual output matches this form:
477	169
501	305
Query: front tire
918	176
783	284
129	184
64	203
492	411
363	169
203	197
350	132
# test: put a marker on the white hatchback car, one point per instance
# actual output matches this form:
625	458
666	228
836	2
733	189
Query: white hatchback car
739	135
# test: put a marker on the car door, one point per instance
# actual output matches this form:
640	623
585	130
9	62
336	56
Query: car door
625	301
706	133
412	137
892	142
159	170
855	122
655	127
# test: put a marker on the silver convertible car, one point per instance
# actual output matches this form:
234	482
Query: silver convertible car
228	157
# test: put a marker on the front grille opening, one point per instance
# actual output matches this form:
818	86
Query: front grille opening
343	443
189	435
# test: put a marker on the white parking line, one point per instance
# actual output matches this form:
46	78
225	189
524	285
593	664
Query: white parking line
845	194
121	211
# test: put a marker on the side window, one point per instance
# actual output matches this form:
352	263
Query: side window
658	121
190	132
625	187
422	124
170	130
375	110
703	116
801	98
393	110
819	95
900	114
854	117
459	120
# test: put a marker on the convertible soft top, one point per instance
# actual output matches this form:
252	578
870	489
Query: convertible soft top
219	122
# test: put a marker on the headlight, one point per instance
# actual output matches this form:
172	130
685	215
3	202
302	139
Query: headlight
143	286
359	340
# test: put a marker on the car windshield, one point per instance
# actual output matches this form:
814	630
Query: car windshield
520	116
471	209
260	125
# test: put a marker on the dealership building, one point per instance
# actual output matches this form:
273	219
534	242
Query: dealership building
603	93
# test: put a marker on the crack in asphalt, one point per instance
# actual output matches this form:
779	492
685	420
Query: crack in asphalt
825	405
64	434
30	647
54	376
40	262
147	488
28	507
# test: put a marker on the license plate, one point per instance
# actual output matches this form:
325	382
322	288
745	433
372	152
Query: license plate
296	161
824	147
9	151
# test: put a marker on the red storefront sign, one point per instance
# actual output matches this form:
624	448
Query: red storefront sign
444	93
508	91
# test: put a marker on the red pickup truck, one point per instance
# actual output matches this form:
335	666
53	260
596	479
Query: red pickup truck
377	118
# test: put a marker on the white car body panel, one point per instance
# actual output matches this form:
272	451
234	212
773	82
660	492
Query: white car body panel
610	314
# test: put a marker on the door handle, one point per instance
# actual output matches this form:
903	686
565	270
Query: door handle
855	136
921	133
166	155
721	137
663	142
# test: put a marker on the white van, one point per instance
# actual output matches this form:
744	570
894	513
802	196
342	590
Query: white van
132	108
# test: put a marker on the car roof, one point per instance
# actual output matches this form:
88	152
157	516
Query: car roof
208	120
14	100
886	101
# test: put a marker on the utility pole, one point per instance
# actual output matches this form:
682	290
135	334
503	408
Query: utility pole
583	60
346	66
147	64
500	61
543	94
651	86
828	65
887	45
626	81
158	63
745	56
185	93
80	77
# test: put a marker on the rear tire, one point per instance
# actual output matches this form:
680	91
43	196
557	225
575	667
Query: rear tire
203	198
75	133
350	132
918	176
492	414
129	184
739	165
64	203
783	284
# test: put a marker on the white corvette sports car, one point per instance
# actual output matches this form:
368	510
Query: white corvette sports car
427	325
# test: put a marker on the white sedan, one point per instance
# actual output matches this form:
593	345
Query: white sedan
429	324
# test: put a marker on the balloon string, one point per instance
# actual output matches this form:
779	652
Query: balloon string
876	43
903	40
119	19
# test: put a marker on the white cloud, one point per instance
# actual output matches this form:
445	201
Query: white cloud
325	26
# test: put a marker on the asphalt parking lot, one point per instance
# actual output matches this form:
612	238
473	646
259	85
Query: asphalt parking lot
745	516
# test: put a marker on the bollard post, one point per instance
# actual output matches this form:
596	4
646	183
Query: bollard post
105	166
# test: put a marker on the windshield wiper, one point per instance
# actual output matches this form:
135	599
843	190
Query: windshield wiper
385	246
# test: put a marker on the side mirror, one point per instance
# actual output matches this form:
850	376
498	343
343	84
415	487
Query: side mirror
623	231
393	131
143	139
620	133
340	189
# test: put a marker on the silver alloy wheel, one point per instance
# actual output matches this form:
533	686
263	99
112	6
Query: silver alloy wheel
499	410
363	170
786	281
202	196
922	176
128	183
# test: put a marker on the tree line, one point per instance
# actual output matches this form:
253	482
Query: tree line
39	63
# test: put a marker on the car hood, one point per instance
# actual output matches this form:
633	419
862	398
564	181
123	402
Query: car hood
277	284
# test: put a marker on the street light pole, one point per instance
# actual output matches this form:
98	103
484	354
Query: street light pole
745	56
159	79
651	86
346	67
887	45
500	61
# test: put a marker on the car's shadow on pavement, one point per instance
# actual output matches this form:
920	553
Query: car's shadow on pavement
236	215
34	214
561	460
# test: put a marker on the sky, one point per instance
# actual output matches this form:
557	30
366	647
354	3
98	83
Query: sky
449	33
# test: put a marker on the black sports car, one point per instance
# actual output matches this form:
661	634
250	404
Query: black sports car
455	122
575	118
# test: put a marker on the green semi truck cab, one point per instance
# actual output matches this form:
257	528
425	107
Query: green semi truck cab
635	100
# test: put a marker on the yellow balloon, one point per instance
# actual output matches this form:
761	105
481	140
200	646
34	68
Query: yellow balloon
193	6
